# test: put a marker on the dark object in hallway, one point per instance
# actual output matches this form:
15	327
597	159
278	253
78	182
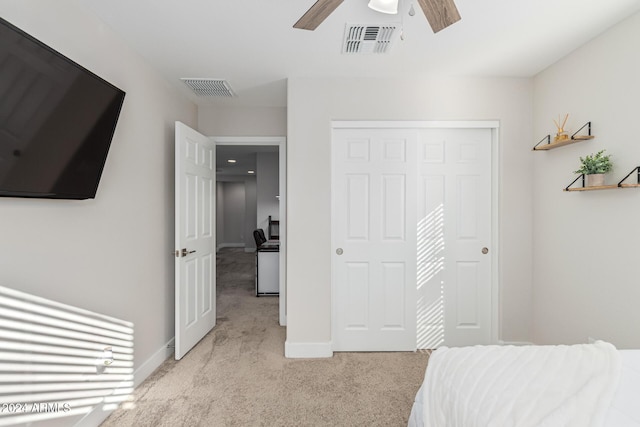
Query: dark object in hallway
267	265
258	236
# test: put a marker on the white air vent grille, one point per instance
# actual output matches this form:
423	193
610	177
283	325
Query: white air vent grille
368	38
209	87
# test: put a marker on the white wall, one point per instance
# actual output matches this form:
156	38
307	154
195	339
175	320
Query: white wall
250	207
313	103
267	189
219	213
251	211
234	213
111	255
242	121
585	244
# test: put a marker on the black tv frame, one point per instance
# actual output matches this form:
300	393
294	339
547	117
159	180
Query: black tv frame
118	97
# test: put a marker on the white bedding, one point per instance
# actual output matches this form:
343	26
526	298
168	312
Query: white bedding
625	408
530	386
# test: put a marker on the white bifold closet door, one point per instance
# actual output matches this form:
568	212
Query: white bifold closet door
411	220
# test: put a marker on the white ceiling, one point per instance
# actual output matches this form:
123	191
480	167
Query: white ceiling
251	43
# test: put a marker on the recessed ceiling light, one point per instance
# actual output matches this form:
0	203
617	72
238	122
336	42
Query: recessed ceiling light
231	161
251	171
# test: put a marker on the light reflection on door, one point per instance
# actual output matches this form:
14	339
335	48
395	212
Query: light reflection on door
430	266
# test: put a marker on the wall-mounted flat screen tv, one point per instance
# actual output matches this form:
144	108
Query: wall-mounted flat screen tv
57	120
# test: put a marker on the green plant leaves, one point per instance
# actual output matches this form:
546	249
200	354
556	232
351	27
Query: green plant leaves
595	163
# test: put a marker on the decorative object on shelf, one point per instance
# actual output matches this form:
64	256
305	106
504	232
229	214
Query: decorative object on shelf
566	141
561	135
595	163
594	166
594	179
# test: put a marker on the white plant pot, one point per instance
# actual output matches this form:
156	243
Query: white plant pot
595	180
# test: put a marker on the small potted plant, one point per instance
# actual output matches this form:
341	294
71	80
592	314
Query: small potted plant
594	166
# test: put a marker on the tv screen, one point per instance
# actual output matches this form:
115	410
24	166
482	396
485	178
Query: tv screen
57	121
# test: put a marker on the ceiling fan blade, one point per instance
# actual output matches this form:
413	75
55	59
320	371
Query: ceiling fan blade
316	14
440	13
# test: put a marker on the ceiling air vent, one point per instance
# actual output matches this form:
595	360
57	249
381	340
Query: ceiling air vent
368	38
209	87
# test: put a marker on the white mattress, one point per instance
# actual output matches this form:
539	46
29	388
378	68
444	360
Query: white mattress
624	410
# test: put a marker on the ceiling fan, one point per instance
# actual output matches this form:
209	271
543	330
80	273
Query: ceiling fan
439	13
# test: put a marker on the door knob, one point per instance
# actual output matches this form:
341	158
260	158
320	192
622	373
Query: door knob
185	252
339	251
485	250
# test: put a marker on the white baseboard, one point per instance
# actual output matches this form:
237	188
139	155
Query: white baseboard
307	350
231	245
152	363
500	342
98	414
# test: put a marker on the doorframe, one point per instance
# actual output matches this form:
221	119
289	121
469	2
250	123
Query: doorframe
281	143
494	126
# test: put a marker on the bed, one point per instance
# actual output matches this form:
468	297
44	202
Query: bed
578	385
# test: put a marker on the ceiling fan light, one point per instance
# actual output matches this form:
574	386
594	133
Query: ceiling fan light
384	6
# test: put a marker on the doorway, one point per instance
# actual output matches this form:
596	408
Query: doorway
254	154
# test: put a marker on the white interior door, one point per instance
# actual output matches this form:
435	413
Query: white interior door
374	240
195	240
454	232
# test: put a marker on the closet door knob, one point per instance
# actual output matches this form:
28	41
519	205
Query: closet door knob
485	250
339	251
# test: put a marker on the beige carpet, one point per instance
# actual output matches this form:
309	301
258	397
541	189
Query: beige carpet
238	375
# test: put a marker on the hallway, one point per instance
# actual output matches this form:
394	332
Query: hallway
236	292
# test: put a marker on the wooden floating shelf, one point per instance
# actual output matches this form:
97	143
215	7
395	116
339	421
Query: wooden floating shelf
570	140
598	187
564	142
606	187
603	187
